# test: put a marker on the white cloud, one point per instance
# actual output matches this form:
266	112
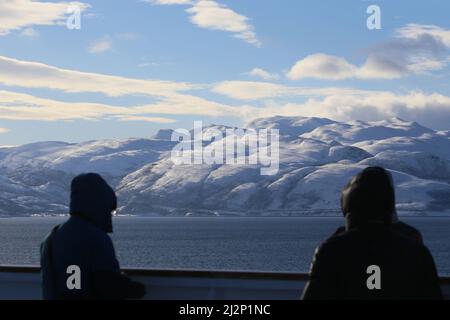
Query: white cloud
19	14
106	43
416	31
415	49
432	110
209	14
212	15
261	99
145	119
168	2
170	96
38	75
322	66
343	104
29	32
4	130
20	106
101	45
147	64
253	90
263	74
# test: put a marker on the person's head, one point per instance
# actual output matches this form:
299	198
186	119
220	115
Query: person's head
369	198
92	199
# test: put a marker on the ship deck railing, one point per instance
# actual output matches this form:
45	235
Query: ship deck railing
24	283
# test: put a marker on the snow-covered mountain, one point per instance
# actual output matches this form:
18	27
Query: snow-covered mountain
317	158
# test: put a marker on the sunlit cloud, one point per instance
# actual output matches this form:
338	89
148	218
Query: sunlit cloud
20	106
416	31
38	75
209	14
19	14
146	119
415	49
263	74
322	66
254	90
432	110
252	99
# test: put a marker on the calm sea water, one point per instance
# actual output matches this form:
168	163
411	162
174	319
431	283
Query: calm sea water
267	244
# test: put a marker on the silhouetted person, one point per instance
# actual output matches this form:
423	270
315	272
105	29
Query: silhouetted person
83	242
397	225
345	266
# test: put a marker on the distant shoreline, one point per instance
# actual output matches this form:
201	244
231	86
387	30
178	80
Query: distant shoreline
223	217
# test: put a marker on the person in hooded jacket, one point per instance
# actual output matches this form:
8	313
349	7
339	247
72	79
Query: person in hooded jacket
341	266
83	241
397	225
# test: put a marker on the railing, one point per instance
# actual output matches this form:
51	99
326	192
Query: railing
23	282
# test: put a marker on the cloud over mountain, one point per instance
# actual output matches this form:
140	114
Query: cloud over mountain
415	49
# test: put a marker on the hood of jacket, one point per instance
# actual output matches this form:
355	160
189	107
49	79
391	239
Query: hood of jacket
92	199
369	199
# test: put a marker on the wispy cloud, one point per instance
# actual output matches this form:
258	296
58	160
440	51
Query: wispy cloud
4	130
212	15
20	106
340	104
106	43
254	90
209	14
38	75
415	49
147	64
19	14
170	96
146	119
253	99
101	45
29	32
169	2
416	31
263	74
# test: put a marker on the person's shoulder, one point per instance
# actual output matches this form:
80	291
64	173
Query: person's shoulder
405	226
83	230
408	244
407	230
337	241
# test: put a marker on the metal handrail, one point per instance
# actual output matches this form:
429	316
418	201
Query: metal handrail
223	274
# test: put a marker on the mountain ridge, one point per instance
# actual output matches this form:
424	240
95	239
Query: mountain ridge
317	157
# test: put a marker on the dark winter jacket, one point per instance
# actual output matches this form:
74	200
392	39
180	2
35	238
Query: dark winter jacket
399	227
340	268
83	241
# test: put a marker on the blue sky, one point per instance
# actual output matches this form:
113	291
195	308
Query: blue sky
137	66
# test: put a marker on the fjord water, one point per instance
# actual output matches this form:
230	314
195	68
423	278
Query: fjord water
266	244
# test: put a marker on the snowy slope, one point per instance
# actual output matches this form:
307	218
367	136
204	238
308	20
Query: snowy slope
317	158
